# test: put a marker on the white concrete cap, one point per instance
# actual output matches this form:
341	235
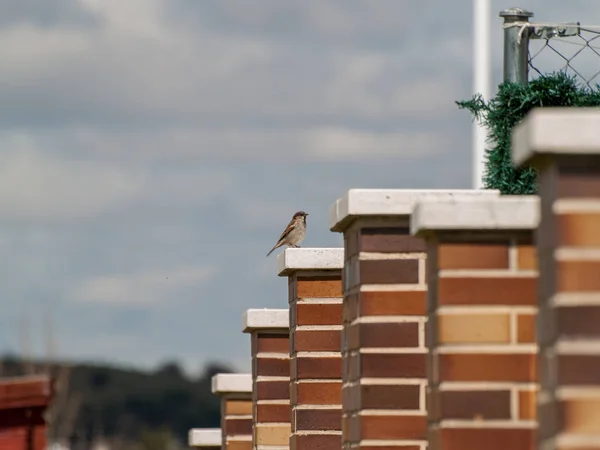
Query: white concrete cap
390	202
573	131
204	437
264	319
518	212
232	383
294	259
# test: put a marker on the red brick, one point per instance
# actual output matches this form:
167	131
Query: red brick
382	335
474	405
487	438
273	344
234	427
578	182
386	396
398	303
272	413
391	427
329	393
578	369
577	276
392	365
316	367
394	271
578	321
322	287
390	240
319	313
273	367
316	442
318	419
473	256
487	367
272	390
317	340
487	291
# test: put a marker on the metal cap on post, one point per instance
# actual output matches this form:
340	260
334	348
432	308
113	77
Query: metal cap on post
516	45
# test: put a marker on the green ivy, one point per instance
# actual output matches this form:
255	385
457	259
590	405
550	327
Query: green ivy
510	105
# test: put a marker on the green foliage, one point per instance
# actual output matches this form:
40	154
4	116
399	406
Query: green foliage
509	107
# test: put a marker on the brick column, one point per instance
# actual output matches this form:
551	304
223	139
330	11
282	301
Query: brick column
481	308
23	402
270	330
235	390
205	438
315	299
383	349
564	145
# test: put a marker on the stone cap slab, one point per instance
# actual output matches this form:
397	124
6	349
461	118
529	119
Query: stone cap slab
232	383
266	319
205	437
515	212
390	202
295	259
546	131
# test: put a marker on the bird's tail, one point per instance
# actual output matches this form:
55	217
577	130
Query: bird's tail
273	249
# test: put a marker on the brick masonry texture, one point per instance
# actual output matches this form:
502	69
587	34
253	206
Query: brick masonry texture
482	369
315	302
383	341
236	421
569	244
270	390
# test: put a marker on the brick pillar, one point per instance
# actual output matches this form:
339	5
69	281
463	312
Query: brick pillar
481	328
235	390
315	299
383	348
564	145
270	330
205	438
23	401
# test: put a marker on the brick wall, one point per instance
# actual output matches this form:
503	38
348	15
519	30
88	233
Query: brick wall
481	330
235	390
269	330
315	302
564	145
383	345
23	402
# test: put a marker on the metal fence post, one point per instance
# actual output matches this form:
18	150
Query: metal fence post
516	46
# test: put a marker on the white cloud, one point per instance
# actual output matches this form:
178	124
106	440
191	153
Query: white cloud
141	288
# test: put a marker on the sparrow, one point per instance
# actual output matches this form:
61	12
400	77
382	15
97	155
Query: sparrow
294	233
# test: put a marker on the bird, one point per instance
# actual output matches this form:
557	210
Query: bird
294	233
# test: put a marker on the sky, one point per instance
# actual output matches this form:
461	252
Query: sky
152	151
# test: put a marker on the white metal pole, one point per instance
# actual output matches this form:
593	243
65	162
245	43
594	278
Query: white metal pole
482	81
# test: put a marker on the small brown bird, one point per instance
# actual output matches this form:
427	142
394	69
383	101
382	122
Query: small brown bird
294	233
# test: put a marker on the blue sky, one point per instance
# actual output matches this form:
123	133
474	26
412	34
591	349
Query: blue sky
153	150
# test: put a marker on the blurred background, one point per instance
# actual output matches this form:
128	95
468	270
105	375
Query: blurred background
152	151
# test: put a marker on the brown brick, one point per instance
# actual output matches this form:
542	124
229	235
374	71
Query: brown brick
319	288
383	335
317	340
316	367
329	393
318	419
578	369
240	445
578	321
393	271
487	367
577	276
272	390
526	328
272	413
386	396
402	303
527	405
487	438
256	339
238	407
473	256
579	182
392	427
235	427
275	343
578	230
474	405
487	291
390	240
527	257
392	365
316	441
273	367
319	313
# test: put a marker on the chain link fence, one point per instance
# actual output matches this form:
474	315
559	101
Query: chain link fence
533	49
